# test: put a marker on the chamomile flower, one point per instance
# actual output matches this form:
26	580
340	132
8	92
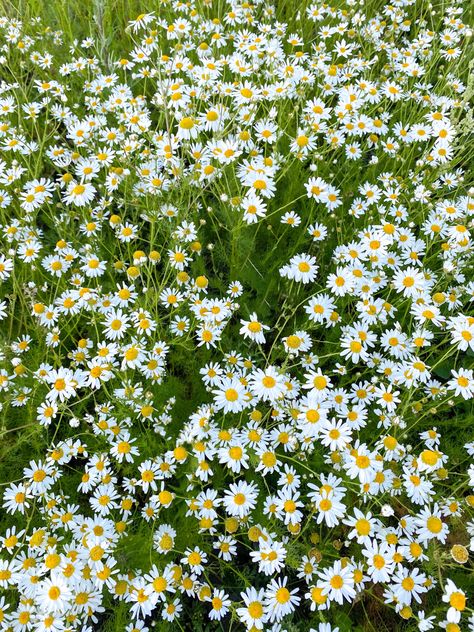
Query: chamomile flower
240	499
337	582
230	396
267	384
253	329
279	599
253	612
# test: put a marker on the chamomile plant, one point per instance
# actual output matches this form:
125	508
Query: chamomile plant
237	324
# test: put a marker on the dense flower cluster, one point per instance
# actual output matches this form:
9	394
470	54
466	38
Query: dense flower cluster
310	474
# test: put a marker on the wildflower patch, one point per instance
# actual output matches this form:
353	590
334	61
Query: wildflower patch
236	317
